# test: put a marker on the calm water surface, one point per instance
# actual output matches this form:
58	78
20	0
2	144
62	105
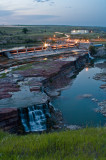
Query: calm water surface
79	111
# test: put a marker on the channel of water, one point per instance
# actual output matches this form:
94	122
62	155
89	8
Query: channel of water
77	110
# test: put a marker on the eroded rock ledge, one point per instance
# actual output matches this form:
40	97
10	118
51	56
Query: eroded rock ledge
49	77
9	119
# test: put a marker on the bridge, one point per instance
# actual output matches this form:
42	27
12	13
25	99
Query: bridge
10	53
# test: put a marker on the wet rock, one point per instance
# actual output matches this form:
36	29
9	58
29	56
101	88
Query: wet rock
94	99
103	86
73	127
5	95
15	77
100	76
13	89
36	88
6	87
85	96
102	106
97	110
52	93
55	121
35	84
101	65
51	74
101	52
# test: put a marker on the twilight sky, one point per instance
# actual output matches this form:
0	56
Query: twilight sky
53	12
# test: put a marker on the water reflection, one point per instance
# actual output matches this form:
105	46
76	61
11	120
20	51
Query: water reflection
81	111
86	69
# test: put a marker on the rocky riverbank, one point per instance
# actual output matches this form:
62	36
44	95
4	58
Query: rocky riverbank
102	77
43	76
37	83
101	52
12	120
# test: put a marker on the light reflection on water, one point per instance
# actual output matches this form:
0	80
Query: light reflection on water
81	111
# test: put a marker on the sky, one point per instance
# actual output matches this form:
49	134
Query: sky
53	12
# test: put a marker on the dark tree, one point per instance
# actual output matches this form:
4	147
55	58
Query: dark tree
92	50
24	30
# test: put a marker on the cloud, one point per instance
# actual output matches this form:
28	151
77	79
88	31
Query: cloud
5	12
39	16
41	0
28	19
69	7
52	3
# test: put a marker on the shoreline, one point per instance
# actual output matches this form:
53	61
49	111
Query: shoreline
101	77
63	70
43	80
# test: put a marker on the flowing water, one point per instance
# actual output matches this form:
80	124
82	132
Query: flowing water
77	110
34	118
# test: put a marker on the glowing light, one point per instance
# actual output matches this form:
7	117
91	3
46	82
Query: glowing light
46	44
76	53
86	69
45	59
61	57
6	71
54	36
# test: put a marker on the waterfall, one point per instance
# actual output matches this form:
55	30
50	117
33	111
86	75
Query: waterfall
90	55
24	121
34	118
37	119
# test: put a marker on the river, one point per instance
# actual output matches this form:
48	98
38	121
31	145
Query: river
77	110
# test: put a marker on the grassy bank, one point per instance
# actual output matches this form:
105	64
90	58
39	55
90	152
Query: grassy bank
85	144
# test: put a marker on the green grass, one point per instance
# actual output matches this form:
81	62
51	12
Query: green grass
99	42
13	36
3	75
24	67
84	144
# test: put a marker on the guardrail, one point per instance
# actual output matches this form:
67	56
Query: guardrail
8	53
